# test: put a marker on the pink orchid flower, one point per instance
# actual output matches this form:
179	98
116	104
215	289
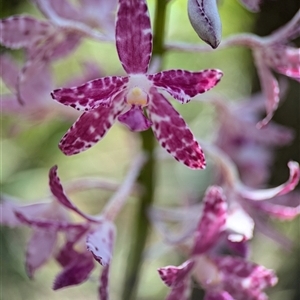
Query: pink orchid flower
259	204
223	277
52	39
125	97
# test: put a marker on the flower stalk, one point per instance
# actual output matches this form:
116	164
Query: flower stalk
147	176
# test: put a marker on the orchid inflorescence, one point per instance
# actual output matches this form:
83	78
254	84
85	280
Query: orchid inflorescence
215	234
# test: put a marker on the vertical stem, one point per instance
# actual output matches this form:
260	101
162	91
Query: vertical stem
146	178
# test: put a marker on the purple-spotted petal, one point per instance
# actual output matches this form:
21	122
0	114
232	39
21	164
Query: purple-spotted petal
265	194
173	276
58	192
244	279
91	127
39	249
252	5
103	286
173	133
213	220
269	86
134	36
101	241
222	295
135	119
22	31
183	85
91	94
205	19
76	272
285	60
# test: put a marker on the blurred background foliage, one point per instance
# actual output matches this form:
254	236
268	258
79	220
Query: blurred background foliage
27	156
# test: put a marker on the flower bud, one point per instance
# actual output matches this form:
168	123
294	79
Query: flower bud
205	19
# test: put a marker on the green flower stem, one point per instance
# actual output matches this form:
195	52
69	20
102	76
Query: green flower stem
147	176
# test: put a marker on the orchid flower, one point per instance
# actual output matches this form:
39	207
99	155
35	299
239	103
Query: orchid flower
85	242
48	40
239	138
125	98
36	90
221	276
251	199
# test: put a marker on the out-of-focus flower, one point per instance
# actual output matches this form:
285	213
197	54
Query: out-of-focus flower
205	19
251	199
239	138
46	41
36	91
124	98
221	276
85	242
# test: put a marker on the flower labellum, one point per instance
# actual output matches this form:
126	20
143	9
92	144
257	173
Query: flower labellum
205	19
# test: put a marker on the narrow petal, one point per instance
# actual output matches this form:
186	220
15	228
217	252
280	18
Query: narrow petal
8	207
48	224
265	194
103	286
173	133
269	86
135	119
134	36
22	31
39	249
76	272
90	128
101	241
213	220
58	192
181	292
91	94
183	85
280	212
252	5
205	19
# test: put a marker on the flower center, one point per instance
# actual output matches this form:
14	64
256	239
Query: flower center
137	96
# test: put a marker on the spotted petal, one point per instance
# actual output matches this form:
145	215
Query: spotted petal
22	31
91	94
173	133
244	279
58	191
179	279
183	85
103	286
269	86
90	128
133	36
213	220
101	241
